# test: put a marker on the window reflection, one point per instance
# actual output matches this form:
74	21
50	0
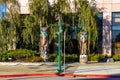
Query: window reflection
116	32
99	45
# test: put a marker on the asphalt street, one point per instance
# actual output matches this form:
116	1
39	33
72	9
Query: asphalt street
58	78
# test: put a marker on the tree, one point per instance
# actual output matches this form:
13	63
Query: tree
11	23
87	20
37	19
58	11
28	33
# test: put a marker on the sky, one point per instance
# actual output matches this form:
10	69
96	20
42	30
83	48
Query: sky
2	9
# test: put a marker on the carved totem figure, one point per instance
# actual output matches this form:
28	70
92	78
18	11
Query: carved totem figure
44	43
83	47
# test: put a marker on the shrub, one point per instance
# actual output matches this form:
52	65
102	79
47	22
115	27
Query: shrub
3	56
21	53
68	57
93	57
18	55
116	57
52	57
71	57
35	59
96	57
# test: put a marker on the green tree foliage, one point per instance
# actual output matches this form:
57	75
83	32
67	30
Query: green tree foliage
36	19
39	9
9	24
30	31
58	10
25	29
87	20
3	35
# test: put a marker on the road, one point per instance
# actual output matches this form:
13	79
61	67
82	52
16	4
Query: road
58	78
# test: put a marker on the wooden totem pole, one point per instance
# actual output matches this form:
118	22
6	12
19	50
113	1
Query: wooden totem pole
83	47
44	43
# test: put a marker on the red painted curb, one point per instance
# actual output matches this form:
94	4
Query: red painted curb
34	74
64	75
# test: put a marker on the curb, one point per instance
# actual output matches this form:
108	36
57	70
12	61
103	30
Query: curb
38	74
63	75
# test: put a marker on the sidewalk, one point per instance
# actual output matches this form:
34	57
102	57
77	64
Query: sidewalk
92	69
99	69
26	68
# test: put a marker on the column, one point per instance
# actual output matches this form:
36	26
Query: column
106	41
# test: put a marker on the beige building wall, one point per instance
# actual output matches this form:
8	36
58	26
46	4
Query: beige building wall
101	5
107	5
24	6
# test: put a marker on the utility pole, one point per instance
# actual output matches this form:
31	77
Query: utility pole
59	45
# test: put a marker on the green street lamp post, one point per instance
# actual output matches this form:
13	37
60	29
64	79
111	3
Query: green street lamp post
59	49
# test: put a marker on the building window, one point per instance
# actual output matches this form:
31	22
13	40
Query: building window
100	22
116	32
100	18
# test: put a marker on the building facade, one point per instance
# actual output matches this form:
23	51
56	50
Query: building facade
109	23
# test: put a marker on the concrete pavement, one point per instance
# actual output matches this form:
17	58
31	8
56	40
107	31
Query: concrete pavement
92	69
99	68
24	68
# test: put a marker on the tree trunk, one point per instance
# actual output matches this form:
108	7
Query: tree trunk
12	45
